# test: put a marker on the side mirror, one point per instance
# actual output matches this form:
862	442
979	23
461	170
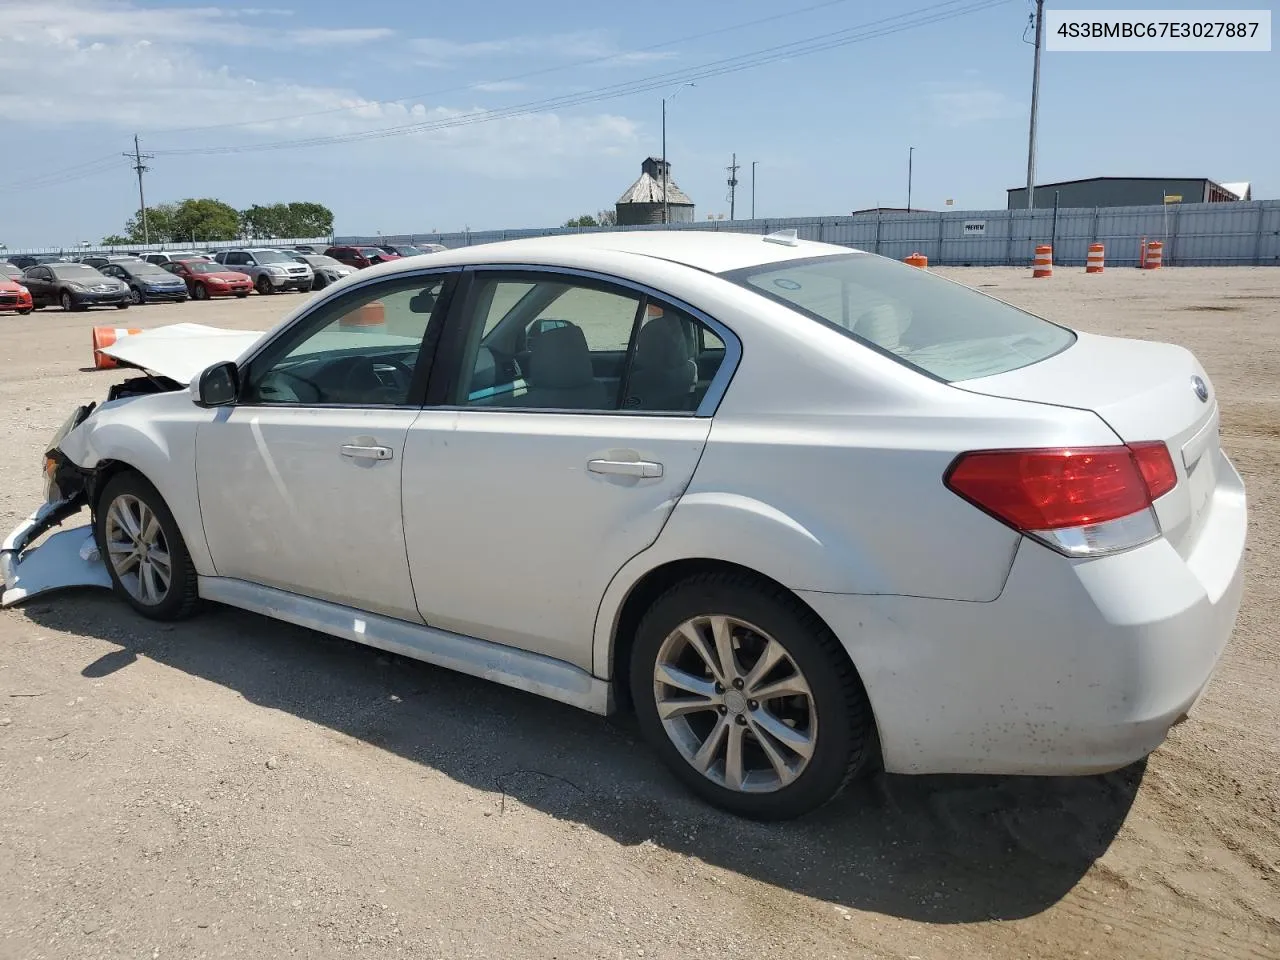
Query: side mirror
218	385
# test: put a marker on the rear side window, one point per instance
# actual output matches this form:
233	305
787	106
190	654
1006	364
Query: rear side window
943	329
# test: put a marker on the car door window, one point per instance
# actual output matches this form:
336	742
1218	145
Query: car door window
360	349
562	343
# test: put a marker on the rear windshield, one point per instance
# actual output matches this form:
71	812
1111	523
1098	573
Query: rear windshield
944	329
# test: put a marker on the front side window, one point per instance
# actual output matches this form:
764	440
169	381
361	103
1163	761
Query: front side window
563	343
361	349
943	329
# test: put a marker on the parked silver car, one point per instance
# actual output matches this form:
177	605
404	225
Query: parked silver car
271	270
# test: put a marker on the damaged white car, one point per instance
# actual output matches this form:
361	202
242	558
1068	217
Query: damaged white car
804	509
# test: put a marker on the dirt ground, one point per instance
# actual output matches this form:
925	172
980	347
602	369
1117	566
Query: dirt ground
235	787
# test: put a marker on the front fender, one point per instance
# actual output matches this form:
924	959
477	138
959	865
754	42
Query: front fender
154	435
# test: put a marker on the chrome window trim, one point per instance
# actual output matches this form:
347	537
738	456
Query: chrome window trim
716	389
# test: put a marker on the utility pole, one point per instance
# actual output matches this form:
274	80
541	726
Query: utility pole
753	188
1035	105
137	157
666	207
733	183
911	155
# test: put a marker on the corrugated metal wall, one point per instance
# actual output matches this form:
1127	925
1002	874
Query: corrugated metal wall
1201	234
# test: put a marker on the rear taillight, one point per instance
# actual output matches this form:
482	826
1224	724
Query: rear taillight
1081	501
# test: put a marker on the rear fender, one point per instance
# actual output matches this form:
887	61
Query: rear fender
742	531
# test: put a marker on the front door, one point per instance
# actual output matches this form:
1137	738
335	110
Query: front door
300	481
569	428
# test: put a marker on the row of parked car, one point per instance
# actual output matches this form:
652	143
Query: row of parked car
29	282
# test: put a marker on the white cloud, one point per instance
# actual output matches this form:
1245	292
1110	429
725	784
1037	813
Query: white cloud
962	104
498	86
76	64
579	45
340	37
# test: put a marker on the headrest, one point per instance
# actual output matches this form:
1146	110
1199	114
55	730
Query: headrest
662	343
561	359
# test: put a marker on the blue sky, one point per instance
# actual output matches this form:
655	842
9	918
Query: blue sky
830	131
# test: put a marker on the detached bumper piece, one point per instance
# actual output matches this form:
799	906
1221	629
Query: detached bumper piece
69	558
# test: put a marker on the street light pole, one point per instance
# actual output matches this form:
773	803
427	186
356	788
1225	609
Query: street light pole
911	154
753	188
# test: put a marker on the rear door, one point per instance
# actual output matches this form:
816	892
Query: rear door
560	434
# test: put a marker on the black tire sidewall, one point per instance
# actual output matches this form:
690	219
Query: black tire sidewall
179	601
200	292
842	729
263	285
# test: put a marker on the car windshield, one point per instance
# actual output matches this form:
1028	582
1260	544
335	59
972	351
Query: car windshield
144	269
74	271
944	329
271	256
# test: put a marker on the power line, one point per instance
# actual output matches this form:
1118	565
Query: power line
767	55
65	175
516	76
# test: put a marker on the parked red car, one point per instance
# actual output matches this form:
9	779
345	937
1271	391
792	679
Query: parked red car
207	279
13	293
361	257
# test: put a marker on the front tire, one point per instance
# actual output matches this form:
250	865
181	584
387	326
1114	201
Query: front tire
143	549
200	292
264	286
122	306
242	294
136	297
748	697
69	304
23	313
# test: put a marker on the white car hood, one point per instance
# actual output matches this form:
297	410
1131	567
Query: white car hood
181	350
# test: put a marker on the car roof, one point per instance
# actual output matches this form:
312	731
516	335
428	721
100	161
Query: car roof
707	250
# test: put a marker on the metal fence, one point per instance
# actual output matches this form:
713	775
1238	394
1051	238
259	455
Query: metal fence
84	250
1199	234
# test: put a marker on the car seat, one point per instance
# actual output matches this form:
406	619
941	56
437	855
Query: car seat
664	372
560	375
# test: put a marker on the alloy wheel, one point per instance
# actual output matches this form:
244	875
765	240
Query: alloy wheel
138	549
735	704
135	295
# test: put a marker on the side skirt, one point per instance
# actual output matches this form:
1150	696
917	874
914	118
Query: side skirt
520	669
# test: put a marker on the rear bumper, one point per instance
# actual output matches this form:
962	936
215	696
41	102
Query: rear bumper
1078	667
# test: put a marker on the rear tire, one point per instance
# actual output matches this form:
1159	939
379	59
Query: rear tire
143	549
795	750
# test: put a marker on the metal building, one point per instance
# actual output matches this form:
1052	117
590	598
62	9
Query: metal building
1129	192
643	201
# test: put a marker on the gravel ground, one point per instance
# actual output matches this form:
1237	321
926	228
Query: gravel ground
235	787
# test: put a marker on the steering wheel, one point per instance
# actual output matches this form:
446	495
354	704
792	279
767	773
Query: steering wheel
362	380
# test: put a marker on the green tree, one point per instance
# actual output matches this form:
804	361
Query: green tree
586	220
298	219
159	224
203	220
114	240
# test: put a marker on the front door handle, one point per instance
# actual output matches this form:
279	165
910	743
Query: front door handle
626	468
357	452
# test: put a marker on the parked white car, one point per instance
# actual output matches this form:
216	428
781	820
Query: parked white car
805	510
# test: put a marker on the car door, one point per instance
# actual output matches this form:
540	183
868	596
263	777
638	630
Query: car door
39	280
300	481
536	471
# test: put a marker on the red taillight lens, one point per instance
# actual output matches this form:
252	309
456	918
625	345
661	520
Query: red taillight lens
1156	466
1055	489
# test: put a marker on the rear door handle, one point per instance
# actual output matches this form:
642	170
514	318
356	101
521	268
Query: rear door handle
357	452
626	468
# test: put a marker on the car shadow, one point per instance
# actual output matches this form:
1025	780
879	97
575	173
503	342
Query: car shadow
936	849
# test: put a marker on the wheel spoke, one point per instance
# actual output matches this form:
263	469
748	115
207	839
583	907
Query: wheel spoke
769	726
706	754
699	645
723	635
150	525
792	686
733	771
772	655
125	520
683	706
776	760
683	680
160	559
146	582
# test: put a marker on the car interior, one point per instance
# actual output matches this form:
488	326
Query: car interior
532	358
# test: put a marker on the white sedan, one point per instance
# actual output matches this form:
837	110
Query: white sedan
807	511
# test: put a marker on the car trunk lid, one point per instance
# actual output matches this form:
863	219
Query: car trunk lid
1143	391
